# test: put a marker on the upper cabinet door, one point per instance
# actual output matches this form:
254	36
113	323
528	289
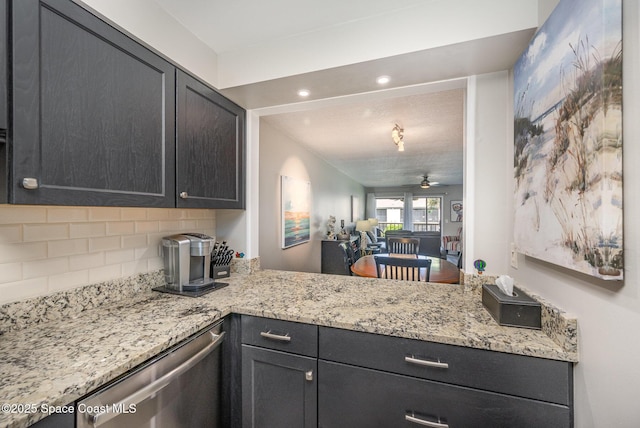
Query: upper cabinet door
4	37
210	147
93	112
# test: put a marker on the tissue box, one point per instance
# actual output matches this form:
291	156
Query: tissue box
519	310
220	271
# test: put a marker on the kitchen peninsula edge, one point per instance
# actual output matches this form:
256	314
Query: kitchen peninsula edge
57	348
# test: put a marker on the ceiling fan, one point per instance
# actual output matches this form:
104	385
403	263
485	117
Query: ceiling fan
425	183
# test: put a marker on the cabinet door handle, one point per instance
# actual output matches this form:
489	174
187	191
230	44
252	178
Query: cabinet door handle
272	336
184	195
30	183
421	362
424	422
309	375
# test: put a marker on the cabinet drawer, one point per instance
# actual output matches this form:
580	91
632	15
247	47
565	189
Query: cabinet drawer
523	376
355	397
285	336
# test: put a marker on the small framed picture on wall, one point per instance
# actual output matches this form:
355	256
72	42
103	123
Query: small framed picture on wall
456	211
355	208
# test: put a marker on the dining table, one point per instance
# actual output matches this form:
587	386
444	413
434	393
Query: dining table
441	270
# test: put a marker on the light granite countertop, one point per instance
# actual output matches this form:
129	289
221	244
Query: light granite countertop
56	361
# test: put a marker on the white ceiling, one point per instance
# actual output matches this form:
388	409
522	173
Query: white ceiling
348	118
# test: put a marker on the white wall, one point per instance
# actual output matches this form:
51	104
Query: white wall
423	25
608	374
486	182
148	22
330	195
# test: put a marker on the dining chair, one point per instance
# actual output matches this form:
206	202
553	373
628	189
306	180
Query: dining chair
403	245
403	268
349	256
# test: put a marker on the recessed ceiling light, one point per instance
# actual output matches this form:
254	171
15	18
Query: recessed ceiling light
303	92
383	80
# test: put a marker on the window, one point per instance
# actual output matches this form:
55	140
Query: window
390	213
427	214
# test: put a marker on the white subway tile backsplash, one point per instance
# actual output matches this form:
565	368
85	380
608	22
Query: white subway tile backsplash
67	214
156	214
45	232
47	249
68	280
119	256
87	230
178	214
10	272
105	273
134	267
44	268
146	226
155	263
21	214
67	247
120	228
133	213
11	233
147	252
19	290
22	251
172	226
200	214
206	224
104	214
104	244
133	241
86	261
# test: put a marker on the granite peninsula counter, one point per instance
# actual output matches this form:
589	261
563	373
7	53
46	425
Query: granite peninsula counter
56	349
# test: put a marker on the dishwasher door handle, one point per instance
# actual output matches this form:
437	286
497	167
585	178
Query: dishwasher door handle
99	418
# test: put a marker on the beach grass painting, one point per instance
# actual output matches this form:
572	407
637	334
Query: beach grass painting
568	140
296	209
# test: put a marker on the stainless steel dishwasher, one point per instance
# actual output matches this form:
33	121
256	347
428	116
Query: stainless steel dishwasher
179	388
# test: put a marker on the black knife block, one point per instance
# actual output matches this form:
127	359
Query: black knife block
518	310
220	271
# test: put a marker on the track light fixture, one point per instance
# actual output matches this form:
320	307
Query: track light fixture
397	135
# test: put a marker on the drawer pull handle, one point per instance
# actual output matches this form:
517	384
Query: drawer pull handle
421	362
424	422
278	337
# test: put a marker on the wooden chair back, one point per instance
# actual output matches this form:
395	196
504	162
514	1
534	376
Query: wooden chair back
407	269
403	245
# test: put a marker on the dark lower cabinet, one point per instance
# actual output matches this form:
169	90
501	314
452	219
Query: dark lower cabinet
279	373
278	389
210	147
353	397
369	380
366	380
93	112
57	420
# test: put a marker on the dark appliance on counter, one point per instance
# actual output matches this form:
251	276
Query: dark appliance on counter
180	388
187	264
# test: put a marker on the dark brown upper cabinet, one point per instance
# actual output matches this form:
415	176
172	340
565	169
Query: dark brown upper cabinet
92	112
209	147
4	37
